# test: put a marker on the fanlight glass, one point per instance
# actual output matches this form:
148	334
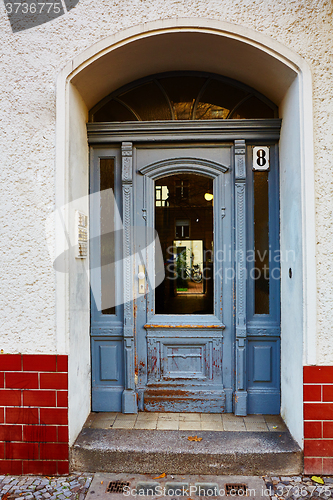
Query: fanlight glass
183	96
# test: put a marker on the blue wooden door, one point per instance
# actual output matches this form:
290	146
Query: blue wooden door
184	320
181	319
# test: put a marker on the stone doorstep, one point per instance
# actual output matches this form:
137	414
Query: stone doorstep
97	491
146	452
186	421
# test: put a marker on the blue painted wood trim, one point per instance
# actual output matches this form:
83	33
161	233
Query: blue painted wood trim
129	399
175	165
240	396
184	130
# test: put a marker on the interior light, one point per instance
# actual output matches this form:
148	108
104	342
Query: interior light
208	196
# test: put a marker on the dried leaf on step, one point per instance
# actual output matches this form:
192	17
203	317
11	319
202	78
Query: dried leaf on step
160	477
317	479
194	438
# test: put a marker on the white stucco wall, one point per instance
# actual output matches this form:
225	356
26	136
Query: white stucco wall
31	61
79	303
292	292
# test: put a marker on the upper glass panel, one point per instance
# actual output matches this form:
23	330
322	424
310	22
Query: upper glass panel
184	223
107	237
183	96
261	242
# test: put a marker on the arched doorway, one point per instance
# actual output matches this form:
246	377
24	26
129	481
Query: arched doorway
221	48
203	331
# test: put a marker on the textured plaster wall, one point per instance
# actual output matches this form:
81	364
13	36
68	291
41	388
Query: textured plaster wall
30	63
79	382
291	289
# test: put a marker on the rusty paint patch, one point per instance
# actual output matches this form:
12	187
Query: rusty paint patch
168	392
136	370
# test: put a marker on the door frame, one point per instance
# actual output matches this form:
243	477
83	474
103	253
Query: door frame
237	131
75	94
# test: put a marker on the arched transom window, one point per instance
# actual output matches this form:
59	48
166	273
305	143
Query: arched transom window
183	96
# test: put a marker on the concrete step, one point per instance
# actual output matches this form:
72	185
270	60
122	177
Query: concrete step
149	452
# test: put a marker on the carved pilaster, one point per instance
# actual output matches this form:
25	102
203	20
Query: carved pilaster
240	396
127	162
129	397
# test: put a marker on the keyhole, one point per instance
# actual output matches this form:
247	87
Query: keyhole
290	273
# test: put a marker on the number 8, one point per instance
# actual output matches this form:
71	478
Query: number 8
261	160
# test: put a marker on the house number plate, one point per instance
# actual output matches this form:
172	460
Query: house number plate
261	158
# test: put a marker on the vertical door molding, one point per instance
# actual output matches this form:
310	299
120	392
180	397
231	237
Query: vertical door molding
240	397
129	403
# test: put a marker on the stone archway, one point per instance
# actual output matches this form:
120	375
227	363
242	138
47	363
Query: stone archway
232	51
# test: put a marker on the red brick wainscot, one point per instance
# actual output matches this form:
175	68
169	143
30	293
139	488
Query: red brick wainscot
318	419
33	414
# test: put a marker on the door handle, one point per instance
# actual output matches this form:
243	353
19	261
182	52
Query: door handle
141	278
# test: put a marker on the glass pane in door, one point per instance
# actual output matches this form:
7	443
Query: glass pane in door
107	237
184	223
261	242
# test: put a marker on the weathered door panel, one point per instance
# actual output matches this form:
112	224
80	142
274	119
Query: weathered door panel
107	373
184	372
181	364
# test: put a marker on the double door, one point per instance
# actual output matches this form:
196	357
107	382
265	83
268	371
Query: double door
183	319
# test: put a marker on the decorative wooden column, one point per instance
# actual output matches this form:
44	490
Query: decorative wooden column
240	396
129	399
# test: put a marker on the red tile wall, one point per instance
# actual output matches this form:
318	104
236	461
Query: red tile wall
33	414
318	419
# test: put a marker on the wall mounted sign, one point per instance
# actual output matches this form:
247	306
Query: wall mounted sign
81	235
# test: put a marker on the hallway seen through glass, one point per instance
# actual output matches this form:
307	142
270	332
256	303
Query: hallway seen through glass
184	223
